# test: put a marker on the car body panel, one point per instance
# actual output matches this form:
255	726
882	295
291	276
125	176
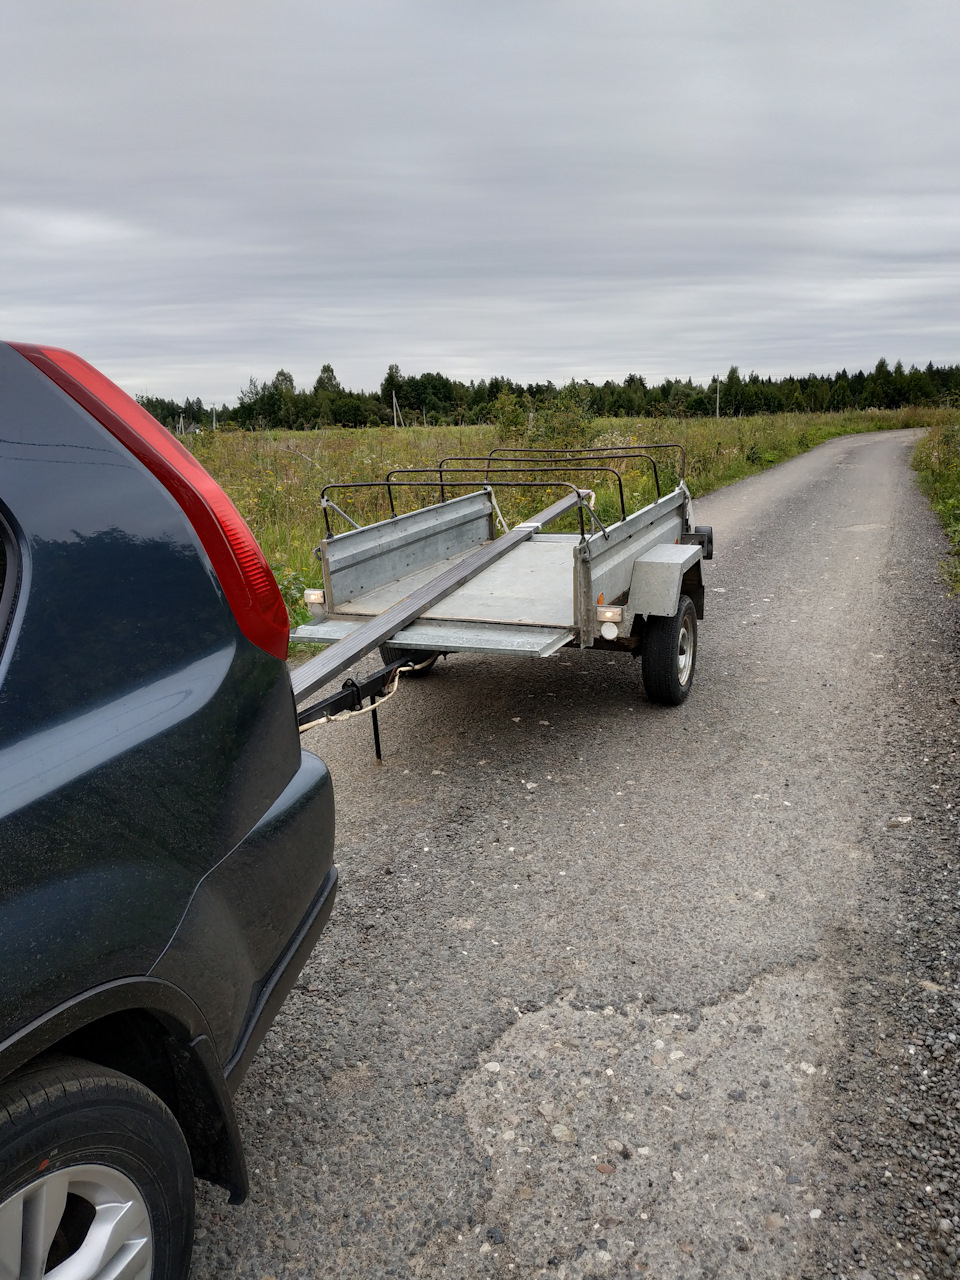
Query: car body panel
226	948
160	828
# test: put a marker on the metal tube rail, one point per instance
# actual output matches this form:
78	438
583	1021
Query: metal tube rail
625	453
325	502
425	484
511	471
626	450
517	463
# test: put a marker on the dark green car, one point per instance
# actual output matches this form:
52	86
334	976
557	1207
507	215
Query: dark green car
166	848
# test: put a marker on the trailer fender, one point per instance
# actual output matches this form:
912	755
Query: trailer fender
659	576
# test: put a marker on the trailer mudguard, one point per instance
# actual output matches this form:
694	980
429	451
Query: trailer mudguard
658	576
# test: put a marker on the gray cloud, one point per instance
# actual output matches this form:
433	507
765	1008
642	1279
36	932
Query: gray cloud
194	193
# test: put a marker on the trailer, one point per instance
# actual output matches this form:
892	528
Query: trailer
452	577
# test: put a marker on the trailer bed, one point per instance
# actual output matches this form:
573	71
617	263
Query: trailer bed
532	586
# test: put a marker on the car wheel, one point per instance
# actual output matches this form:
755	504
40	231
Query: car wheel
95	1178
423	660
669	656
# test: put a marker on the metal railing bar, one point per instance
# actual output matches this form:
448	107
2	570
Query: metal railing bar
575	463
327	502
535	470
456	484
626	450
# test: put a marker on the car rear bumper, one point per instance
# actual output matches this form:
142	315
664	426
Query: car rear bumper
277	985
255	916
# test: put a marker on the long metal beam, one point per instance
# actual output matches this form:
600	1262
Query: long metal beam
339	657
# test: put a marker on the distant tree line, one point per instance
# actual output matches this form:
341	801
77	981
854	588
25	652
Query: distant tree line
433	398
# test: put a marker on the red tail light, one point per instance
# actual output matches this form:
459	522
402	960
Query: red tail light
244	574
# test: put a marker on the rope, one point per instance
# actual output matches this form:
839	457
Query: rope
357	711
418	666
364	711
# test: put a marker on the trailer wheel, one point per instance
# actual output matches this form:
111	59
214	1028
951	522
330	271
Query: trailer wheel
669	656
423	660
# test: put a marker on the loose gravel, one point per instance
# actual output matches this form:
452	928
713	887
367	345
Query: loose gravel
895	1120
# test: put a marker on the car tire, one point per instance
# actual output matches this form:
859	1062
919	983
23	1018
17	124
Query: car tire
95	1169
669	655
423	660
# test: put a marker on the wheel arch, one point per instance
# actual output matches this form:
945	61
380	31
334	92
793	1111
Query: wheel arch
151	1031
691	584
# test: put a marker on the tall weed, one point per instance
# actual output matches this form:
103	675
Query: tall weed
937	463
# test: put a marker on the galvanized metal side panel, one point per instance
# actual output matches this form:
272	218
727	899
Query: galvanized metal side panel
480	637
361	560
386	596
451	637
605	563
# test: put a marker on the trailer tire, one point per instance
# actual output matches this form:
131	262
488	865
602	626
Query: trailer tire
669	655
424	661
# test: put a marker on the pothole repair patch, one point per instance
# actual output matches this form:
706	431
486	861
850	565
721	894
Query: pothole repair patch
634	1144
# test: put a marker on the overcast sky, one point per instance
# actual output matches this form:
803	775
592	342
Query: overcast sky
195	192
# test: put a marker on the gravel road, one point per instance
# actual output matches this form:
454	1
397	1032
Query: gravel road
617	990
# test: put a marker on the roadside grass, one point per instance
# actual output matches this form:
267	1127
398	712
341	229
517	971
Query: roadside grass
275	478
936	460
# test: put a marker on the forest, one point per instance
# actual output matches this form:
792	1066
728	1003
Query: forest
433	399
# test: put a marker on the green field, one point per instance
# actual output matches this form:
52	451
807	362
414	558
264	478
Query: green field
275	478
